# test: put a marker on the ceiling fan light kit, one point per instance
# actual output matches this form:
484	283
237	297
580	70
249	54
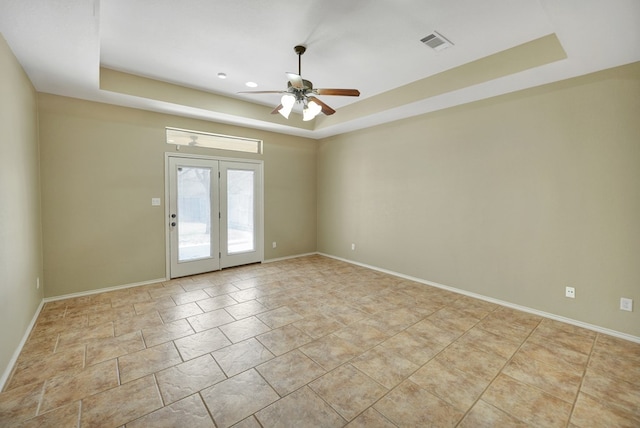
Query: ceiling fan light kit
301	91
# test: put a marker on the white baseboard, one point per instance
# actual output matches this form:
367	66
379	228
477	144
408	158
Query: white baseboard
555	317
14	358
289	257
102	290
16	353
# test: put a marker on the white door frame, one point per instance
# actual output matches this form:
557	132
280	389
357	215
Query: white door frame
259	201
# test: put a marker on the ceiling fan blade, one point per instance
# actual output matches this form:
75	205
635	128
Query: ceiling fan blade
277	109
343	92
325	108
296	80
261	92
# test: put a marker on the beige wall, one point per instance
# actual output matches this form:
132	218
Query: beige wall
513	198
102	164
20	234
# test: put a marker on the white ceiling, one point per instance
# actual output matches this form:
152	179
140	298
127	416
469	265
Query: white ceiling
371	45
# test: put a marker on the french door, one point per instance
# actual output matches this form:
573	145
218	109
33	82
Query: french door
214	217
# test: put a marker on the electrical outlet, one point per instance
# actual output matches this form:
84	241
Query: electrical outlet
353	247
626	304
570	292
273	244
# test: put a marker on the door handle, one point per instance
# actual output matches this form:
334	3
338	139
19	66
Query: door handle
173	224
173	216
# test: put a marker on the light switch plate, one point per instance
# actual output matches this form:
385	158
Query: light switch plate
155	202
626	304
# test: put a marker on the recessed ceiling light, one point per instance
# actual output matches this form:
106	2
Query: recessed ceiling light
252	84
222	75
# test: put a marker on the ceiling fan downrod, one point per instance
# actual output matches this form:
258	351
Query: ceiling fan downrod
299	50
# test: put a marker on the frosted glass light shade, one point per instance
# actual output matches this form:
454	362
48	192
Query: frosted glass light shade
311	110
287	102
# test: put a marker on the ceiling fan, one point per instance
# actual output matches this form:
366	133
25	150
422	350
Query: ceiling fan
302	91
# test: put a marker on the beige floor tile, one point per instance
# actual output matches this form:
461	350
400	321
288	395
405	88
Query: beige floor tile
348	390
490	342
20	403
141	363
69	361
527	403
154	305
362	335
279	317
346	314
166	332
110	314
189	296
549	327
303	408
503	328
130	299
318	326
196	284
37	348
242	356
590	412
613	392
384	366
247	294
69	339
188	412
559	382
167	290
411	406
442	334
290	371
514	316
393	321
236	398
284	339
220	289
66	389
458	388
556	356
213	303
484	415
210	320
370	418
118	406
250	422
619	366
624	349
246	309
188	378
473	361
330	351
201	343
453	319
66	416
414	348
136	323
112	347
179	312
372	329
244	329
558	337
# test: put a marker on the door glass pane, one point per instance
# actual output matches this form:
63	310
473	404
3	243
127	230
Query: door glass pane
194	213
240	232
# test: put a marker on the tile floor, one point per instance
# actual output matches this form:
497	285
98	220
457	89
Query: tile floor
313	342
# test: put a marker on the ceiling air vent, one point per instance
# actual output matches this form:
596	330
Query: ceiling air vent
436	41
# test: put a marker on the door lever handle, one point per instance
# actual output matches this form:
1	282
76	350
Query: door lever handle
173	216
173	224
